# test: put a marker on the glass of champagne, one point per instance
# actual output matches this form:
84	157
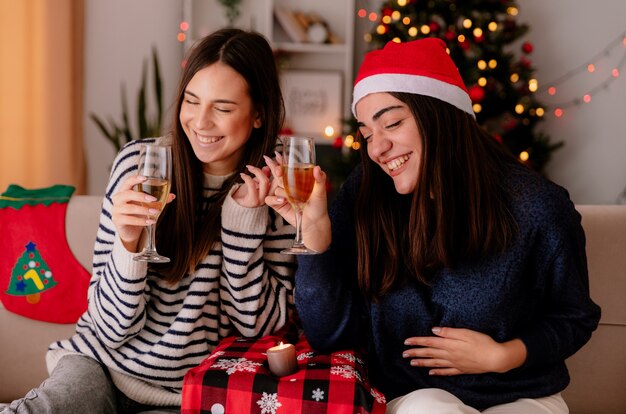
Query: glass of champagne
155	163
298	163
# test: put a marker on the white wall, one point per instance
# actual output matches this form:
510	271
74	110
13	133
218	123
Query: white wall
119	35
565	34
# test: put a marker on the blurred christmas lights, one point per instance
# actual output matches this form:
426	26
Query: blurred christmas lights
591	66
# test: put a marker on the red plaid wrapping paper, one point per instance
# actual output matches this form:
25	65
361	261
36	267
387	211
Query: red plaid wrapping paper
235	379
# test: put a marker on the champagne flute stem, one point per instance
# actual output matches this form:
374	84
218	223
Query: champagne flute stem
298	242
151	239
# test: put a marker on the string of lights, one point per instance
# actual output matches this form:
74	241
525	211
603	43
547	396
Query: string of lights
588	65
553	88
182	36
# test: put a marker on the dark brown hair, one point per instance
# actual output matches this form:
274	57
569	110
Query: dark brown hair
458	210
188	228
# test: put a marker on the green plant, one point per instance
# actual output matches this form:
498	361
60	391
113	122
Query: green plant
232	10
120	133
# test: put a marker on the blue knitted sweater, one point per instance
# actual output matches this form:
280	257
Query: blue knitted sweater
538	291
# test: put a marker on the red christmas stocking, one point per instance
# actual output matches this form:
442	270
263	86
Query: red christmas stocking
39	276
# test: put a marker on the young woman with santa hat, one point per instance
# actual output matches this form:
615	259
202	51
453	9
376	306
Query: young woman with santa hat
459	270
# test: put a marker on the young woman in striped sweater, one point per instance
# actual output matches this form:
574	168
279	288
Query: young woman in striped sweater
146	324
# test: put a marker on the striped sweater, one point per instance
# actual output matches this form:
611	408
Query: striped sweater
148	332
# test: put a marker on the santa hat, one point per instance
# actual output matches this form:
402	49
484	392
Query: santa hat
421	67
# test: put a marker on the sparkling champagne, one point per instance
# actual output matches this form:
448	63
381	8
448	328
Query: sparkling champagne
298	159
154	163
298	180
158	188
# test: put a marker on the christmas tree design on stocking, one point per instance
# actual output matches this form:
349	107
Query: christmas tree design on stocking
31	276
39	276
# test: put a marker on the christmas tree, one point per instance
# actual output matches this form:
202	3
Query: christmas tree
30	276
500	83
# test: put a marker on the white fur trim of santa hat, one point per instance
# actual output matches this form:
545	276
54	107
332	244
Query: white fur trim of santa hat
421	67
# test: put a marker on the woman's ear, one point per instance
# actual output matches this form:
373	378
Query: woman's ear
257	120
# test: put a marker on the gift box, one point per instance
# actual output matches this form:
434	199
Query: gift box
236	378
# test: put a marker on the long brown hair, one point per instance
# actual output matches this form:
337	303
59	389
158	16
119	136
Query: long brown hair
458	210
187	228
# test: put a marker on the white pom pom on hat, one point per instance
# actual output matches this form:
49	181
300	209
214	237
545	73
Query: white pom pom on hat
421	67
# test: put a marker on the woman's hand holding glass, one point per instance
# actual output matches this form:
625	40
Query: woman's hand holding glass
129	214
134	210
316	232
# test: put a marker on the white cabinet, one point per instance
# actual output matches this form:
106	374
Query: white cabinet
333	60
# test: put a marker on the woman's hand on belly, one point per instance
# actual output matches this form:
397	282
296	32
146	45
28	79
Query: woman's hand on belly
456	351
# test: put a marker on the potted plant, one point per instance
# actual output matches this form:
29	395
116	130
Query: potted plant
121	133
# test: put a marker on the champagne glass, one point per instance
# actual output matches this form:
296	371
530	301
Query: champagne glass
155	163
298	164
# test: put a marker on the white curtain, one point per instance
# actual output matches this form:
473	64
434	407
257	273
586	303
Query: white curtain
41	76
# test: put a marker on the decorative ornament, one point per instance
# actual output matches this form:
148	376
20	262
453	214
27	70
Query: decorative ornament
476	93
527	47
338	142
286	131
40	277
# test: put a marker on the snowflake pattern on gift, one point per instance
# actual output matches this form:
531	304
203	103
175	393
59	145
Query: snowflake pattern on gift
240	364
305	355
318	395
349	357
346	371
379	397
269	403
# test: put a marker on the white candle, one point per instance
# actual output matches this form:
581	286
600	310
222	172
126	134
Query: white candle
282	359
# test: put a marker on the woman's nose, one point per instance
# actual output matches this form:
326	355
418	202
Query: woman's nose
204	120
378	146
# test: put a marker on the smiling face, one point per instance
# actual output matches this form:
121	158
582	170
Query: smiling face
393	139
217	115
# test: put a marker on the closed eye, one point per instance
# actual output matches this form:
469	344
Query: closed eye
191	102
395	124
